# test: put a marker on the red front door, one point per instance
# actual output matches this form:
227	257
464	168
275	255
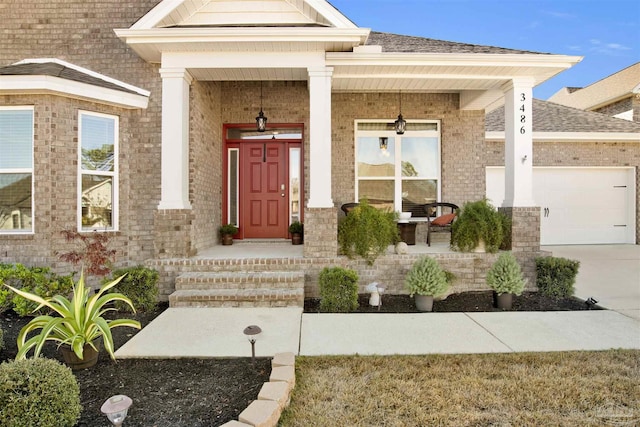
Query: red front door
265	196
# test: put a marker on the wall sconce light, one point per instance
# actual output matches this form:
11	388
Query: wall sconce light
252	332
116	408
384	142
400	123
261	120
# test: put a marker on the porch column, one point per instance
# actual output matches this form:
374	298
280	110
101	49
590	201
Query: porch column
320	137
519	203
175	139
518	150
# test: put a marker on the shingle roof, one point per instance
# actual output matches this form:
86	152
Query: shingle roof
411	44
550	117
58	70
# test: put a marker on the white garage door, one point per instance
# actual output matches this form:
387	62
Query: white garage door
578	205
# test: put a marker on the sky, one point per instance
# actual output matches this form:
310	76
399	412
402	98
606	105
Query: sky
605	32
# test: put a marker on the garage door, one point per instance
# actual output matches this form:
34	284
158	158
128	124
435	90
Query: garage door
578	205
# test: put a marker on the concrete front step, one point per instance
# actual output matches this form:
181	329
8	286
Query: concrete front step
240	280
237	298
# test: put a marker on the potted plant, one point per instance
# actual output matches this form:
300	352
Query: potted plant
425	280
296	229
506	280
226	232
367	231
479	227
79	324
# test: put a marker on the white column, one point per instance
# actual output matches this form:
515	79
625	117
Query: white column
175	139
320	137
518	150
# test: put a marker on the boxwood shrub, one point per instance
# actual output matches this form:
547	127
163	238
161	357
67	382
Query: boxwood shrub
556	276
140	284
38	392
338	290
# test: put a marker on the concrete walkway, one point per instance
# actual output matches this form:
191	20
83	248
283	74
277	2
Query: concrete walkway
610	274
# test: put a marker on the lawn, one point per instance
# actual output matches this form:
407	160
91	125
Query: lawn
523	389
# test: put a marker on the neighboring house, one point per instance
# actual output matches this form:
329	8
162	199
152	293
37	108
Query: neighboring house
163	98
586	167
617	95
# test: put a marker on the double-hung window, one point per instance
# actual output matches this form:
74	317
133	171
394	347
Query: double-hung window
98	171
16	169
398	172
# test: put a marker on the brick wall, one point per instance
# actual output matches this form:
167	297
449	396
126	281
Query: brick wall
617	107
463	155
571	154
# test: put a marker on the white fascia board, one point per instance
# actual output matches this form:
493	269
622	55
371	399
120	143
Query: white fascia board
242	60
157	14
244	34
574	136
453	59
17	85
85	71
331	14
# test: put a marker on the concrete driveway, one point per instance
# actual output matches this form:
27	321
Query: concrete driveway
608	273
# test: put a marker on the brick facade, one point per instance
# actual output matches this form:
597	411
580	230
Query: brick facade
616	107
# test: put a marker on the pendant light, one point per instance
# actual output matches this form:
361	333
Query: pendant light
261	120
400	124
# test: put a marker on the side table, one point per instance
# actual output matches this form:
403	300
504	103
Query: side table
407	232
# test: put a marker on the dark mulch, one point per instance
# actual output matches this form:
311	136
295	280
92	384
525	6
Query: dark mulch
176	393
211	392
462	302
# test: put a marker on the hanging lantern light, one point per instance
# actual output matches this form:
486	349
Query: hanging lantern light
261	120
400	123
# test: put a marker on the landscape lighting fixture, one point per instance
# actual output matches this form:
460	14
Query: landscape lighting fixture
261	120
400	124
116	407
590	302
253	332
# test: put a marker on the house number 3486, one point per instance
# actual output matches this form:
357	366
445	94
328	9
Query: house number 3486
523	115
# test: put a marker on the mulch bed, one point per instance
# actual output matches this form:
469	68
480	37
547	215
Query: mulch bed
211	392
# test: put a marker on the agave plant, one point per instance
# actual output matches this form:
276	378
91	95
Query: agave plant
80	320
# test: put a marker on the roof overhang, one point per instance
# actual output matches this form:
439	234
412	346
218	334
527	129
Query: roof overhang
573	136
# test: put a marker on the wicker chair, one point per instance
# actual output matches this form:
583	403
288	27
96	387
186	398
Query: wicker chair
348	207
441	223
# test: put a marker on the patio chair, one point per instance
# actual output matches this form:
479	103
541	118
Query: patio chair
441	223
348	207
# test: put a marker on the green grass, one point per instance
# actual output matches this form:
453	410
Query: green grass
522	389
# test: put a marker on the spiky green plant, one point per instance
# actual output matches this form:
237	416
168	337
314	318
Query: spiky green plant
505	276
80	320
427	277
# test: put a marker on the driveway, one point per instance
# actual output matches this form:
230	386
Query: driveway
608	273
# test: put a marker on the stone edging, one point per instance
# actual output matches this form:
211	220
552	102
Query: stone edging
274	395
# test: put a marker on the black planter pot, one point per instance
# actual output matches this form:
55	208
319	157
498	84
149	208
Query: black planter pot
503	301
296	238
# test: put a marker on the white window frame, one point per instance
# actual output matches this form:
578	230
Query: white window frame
236	181
398	178
24	170
113	174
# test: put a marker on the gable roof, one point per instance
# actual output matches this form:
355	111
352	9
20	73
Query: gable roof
608	90
549	117
401	43
51	75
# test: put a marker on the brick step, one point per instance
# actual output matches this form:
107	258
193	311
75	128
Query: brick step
240	280
237	298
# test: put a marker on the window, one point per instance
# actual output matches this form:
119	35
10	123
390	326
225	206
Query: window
98	175
16	169
398	172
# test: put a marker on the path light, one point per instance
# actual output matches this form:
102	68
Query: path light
590	302
253	332
115	408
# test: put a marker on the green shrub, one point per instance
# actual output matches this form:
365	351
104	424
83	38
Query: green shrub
426	277
36	280
139	284
338	290
38	392
477	221
505	276
556	276
367	231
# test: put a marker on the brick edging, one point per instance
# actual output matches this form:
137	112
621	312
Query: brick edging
274	395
